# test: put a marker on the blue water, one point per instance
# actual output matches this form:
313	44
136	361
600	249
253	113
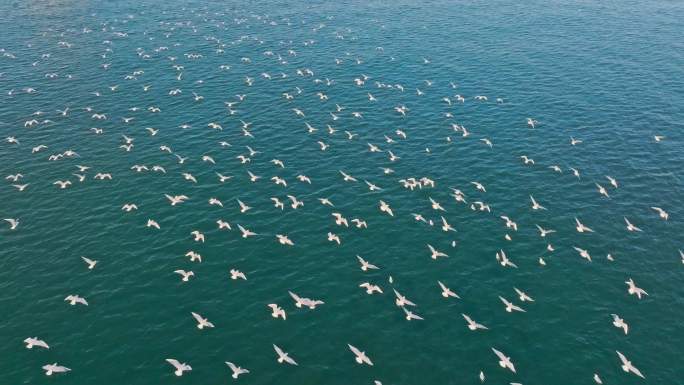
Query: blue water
606	73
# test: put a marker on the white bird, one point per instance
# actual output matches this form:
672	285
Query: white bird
194	256
176	199
199	237
436	253
634	290
13	222
370	288
510	306
34	341
202	322
347	177
334	238
361	357
523	296
504	362
620	323
535	205
411	316
583	253
180	367
401	300
630	226
472	325
91	263
597	379
277	311
446	292
365	265
544	232
236	369
662	213
62	184
237	274
74	299
582	228
54	368
284	240
283	357
384	207
243	207
245	232
627	365
184	274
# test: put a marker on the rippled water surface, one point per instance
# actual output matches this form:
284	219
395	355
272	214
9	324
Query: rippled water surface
608	74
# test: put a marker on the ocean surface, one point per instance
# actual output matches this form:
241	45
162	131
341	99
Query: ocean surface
606	73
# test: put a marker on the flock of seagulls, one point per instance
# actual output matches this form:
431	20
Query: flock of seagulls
302	90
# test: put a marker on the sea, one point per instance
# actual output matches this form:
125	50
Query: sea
602	81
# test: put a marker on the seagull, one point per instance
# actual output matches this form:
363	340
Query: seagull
284	240
202	322
472	325
283	357
277	311
602	190
74	299
237	274
243	207
246	233
236	369
34	341
523	296
90	262
20	187
435	253
662	213
582	228
185	274
634	290
326	201
384	207
334	238
446	292
544	232
62	184
180	367
620	323
479	186
370	288
401	301
54	368
510	307
347	177
13	222
199	237
193	256
504	362
583	253
176	199
365	265
535	205
630	226
627	365
597	379
410	315
361	357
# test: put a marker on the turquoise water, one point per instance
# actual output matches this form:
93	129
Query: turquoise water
606	73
